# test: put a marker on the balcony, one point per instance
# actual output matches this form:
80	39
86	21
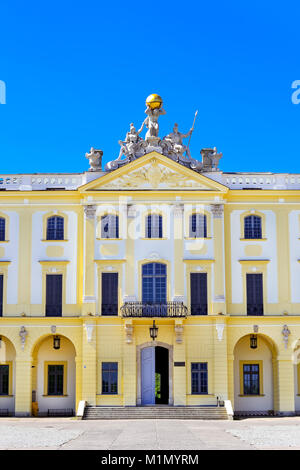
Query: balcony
165	310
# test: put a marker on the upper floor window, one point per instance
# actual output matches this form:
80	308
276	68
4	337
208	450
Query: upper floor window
198	293
252	227
198	226
110	226
255	302
55	228
53	295
154	226
154	283
109	294
2	229
1	294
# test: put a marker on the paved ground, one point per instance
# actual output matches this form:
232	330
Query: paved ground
66	433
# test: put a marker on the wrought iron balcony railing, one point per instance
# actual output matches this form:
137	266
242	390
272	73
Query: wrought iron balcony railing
141	309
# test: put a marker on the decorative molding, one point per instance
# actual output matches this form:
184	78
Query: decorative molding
217	210
53	329
255	328
129	333
23	333
178	334
90	211
220	329
89	332
285	332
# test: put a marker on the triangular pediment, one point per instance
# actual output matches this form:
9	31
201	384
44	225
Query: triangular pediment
153	172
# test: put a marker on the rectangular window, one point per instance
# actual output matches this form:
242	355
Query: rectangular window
53	295
109	289
55	379
154	226
2	229
4	379
199	378
110	378
110	226
251	379
198	226
255	304
198	293
1	295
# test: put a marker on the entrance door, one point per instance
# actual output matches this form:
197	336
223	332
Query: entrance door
148	376
155	376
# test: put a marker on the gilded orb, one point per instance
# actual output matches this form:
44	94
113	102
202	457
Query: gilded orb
154	101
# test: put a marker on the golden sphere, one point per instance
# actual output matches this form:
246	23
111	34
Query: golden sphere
154	101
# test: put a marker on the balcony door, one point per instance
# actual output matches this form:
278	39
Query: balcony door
154	283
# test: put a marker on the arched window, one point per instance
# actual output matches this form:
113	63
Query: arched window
154	226
198	226
2	229
154	283
252	227
55	228
110	226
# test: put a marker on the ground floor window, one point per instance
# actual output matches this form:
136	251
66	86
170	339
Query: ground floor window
199	377
251	379
110	378
55	379
4	379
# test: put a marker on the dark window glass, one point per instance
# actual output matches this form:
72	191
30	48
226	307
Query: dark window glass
4	379
109	294
252	226
53	295
1	295
110	378
251	379
2	229
198	227
198	293
154	226
154	283
254	294
55	380
199	377
110	226
55	228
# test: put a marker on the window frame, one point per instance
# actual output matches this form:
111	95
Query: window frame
199	374
65	377
113	231
3	229
200	228
156	230
56	230
254	232
154	276
260	376
110	382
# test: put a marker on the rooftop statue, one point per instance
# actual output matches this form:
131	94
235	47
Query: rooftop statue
133	146
95	159
172	146
175	144
153	110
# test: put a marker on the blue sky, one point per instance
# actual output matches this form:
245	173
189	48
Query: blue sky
78	73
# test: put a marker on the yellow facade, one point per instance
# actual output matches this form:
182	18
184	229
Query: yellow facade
220	339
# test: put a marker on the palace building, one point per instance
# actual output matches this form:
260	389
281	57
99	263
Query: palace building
159	280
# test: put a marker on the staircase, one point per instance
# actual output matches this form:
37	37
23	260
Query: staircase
155	412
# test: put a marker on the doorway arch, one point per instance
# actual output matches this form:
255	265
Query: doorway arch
141	351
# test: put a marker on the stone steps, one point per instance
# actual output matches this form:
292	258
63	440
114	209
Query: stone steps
155	412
